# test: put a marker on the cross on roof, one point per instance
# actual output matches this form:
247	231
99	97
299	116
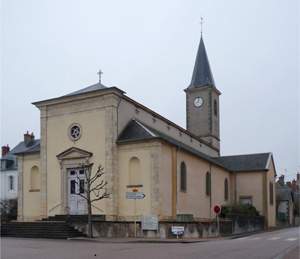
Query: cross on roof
201	23
100	74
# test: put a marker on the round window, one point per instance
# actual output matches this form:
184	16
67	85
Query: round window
74	132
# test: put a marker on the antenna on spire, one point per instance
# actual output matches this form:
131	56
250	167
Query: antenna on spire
201	23
100	74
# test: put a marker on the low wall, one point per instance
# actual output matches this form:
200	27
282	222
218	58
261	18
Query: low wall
204	229
244	224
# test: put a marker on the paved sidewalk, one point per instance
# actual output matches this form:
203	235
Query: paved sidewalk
172	240
158	240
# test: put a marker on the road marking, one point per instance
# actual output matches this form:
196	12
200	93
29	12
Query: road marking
291	239
243	238
274	238
255	238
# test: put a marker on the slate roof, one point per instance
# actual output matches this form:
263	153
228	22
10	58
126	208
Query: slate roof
21	148
90	88
242	163
10	162
8	156
138	131
135	131
202	75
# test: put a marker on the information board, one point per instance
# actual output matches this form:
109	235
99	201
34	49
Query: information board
149	222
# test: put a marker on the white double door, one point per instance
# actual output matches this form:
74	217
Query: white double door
76	181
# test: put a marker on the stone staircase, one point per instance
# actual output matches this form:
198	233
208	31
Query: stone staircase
74	218
40	229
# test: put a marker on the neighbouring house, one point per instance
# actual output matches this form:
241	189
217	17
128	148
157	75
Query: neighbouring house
284	202
294	185
8	174
180	171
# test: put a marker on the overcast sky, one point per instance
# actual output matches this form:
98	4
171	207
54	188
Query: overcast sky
147	48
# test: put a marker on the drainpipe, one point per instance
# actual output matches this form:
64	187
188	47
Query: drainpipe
210	194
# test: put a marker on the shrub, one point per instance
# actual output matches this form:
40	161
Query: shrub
239	210
9	209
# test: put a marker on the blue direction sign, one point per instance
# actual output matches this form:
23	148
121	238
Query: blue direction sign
135	195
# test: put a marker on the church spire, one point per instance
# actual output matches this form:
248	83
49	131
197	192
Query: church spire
202	75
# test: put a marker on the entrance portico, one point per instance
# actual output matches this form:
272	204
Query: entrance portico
76	182
72	180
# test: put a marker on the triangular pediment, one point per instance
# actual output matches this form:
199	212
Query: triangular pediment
74	153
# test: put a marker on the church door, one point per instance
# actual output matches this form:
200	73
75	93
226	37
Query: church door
77	204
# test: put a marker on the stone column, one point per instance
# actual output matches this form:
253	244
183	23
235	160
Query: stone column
155	180
111	162
174	182
43	157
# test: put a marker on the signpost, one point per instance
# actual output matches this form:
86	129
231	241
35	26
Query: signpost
177	230
217	210
135	195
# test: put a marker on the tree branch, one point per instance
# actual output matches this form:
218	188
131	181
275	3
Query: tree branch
99	186
103	196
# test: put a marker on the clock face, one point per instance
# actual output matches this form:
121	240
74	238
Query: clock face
198	102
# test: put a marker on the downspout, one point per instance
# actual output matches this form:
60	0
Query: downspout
210	190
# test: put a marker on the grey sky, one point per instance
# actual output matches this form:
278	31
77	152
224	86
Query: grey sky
147	48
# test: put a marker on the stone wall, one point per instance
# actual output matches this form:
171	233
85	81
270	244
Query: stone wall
244	224
205	229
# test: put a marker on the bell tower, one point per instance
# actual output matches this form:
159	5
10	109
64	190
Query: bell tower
202	101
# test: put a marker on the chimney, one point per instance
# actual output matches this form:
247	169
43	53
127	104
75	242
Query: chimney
28	139
294	185
281	180
5	150
298	177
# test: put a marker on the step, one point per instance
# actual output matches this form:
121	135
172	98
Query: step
39	229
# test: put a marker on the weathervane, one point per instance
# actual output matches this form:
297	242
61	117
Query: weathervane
201	23
100	74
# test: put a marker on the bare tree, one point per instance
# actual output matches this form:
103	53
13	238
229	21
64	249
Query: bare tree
94	190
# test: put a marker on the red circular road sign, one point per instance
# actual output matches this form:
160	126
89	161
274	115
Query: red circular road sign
217	209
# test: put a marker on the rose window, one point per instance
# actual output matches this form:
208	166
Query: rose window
75	132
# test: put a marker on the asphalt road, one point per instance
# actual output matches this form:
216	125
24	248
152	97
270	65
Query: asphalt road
276	244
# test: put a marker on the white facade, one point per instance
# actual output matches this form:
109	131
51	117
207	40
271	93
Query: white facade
8	178
9	184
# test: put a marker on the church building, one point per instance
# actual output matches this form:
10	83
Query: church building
179	170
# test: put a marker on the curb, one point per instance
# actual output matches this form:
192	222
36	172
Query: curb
141	241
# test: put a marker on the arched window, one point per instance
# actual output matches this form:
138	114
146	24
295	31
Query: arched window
11	183
226	189
183	179
271	193
35	178
215	107
135	171
208	184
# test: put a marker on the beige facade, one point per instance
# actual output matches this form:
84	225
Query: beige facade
29	198
256	186
152	165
